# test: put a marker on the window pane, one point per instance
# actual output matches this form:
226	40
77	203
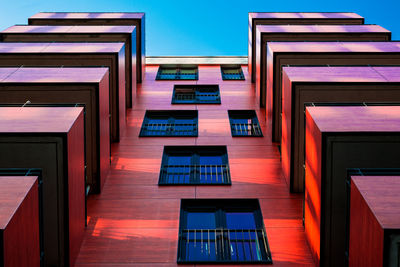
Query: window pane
200	245
240	220
242	121
179	160
168	71
184	121
188	71
200	220
157	121
210	160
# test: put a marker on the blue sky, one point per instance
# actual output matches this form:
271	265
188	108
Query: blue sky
206	27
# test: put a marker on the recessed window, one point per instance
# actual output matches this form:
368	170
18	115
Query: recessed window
195	165
232	72
177	72
244	123
227	231
170	123
196	94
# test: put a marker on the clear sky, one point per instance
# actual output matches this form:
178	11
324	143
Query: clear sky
206	27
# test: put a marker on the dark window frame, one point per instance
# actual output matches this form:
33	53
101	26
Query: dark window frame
176	72
239	76
220	207
192	174
170	127
195	92
255	127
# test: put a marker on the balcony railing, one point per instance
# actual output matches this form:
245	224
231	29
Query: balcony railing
246	129
169	129
197	97
223	246
194	174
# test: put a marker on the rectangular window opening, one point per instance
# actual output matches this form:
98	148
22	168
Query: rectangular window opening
232	72
196	94
169	123
195	165
244	123
177	72
222	231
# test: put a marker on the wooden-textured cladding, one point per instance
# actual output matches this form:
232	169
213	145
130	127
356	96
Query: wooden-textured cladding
76	188
82	33
19	221
320	54
366	240
110	55
345	133
133	216
286	33
282	18
67	86
329	85
33	137
126	18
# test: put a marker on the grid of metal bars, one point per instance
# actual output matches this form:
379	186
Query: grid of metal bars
177	73
196	94
232	72
223	245
169	129
246	129
195	174
244	123
170	123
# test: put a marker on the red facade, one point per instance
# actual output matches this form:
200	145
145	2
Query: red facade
19	204
374	217
134	217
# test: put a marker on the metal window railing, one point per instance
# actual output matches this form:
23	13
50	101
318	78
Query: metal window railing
177	74
205	97
194	174
246	129
198	97
185	96
169	129
223	245
232	73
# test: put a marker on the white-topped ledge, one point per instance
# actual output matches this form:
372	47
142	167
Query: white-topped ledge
242	60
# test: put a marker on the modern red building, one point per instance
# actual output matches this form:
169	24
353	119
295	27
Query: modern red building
195	177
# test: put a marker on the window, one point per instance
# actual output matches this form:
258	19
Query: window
244	123
195	165
232	72
170	123
222	231
177	72
196	94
